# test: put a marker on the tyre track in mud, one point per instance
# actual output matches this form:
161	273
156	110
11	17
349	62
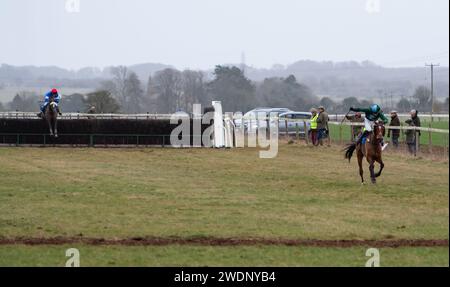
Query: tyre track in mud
215	241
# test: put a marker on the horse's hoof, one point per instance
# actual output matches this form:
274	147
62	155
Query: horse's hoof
56	136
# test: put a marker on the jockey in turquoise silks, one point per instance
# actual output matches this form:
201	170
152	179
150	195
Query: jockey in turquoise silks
373	114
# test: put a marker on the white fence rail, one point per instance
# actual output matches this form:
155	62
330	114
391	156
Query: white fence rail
73	116
33	115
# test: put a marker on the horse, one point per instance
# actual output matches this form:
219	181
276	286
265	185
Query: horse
371	150
51	115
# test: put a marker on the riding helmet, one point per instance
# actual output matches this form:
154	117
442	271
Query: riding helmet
375	108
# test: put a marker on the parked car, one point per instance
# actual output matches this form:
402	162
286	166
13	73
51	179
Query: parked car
293	120
260	117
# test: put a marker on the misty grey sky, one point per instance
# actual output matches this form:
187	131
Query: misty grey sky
203	33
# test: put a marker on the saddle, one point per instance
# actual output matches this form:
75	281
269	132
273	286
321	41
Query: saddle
364	139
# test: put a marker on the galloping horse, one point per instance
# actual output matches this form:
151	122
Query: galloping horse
51	115
371	149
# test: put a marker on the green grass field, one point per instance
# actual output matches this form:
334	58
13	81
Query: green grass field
110	256
303	193
437	139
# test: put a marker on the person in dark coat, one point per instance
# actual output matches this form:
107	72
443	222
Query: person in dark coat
395	122
416	122
411	138
322	126
356	129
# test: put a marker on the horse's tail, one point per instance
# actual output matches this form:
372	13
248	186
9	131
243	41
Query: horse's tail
349	151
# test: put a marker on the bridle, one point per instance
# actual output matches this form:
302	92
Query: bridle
378	133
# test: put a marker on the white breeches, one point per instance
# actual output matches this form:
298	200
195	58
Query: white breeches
368	125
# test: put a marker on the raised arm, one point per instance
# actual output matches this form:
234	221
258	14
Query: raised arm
361	110
383	118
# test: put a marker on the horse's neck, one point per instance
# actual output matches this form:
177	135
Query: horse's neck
51	111
372	138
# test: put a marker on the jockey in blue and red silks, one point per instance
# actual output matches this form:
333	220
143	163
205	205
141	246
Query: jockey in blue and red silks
56	98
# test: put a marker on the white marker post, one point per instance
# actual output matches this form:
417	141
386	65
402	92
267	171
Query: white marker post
219	130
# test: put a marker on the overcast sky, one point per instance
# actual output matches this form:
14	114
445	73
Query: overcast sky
203	33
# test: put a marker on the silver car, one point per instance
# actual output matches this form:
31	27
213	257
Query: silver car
260	117
294	121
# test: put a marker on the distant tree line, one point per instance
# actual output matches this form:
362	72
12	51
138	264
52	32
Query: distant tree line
171	90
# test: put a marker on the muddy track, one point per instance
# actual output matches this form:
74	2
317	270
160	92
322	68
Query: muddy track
213	241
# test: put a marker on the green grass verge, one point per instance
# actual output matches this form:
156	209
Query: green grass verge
437	139
110	256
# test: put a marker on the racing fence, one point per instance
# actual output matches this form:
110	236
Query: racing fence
116	132
17	128
83	116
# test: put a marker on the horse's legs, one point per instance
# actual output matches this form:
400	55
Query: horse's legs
360	159
380	161
372	170
55	124
50	127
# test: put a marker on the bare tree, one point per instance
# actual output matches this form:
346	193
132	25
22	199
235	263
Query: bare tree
120	78
102	101
126	88
194	91
168	87
25	102
134	94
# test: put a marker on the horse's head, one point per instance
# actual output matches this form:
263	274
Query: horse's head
379	131
53	105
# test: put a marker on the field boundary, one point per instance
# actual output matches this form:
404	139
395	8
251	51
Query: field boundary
230	241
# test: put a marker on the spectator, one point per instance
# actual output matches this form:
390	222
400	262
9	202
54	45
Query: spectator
411	138
416	122
356	118
322	126
92	110
395	122
313	127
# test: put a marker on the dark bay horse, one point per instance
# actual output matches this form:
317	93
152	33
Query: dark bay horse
51	116
371	150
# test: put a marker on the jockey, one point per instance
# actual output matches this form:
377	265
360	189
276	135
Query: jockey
56	98
373	114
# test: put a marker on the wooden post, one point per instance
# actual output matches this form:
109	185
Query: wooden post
286	131
297	131
417	137
305	127
430	142
340	134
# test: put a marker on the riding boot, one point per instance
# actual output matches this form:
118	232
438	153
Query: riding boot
360	137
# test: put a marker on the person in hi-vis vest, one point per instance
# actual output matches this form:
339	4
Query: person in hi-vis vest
313	127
